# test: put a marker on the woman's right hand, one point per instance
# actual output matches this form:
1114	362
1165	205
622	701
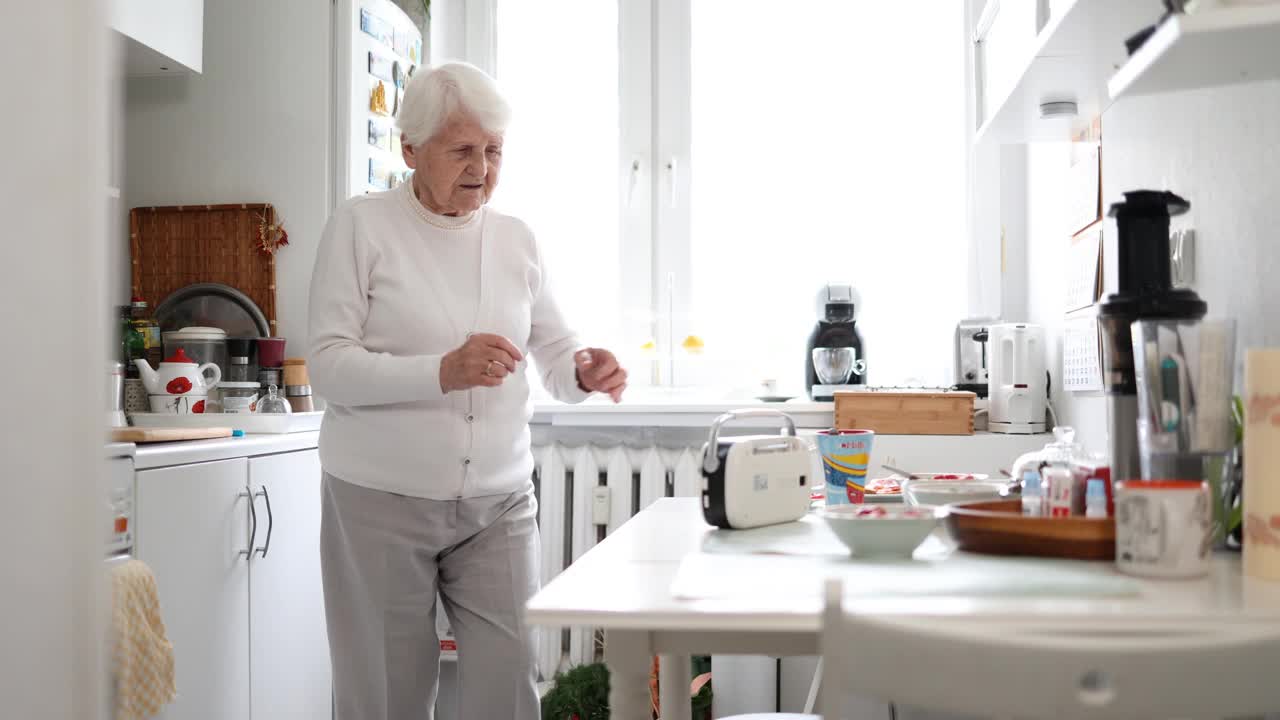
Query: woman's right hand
484	360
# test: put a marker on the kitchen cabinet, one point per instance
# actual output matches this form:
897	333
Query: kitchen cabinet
1023	58
289	647
234	545
193	531
164	37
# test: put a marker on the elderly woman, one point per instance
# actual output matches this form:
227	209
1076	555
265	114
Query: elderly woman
425	305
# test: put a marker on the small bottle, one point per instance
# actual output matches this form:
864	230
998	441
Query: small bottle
1060	496
132	345
1032	495
140	318
1095	499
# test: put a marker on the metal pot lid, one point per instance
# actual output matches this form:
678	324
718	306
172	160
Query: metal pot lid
196	333
213	305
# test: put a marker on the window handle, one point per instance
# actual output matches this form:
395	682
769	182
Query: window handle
634	177
673	173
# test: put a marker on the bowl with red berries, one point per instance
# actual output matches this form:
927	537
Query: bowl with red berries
882	530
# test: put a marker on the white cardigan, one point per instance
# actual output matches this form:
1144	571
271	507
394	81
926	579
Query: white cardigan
381	318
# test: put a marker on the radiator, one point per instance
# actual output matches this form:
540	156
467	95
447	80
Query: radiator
567	479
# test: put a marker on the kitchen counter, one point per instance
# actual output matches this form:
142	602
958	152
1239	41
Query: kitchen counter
675	421
119	450
157	455
673	411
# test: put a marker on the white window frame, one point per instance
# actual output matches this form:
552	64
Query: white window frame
673	246
637	133
655	165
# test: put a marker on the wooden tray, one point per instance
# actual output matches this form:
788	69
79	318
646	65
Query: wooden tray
906	413
999	528
173	247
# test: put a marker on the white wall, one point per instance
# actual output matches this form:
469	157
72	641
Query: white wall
254	127
1220	149
170	27
53	138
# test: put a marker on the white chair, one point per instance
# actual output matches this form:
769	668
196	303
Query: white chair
1159	671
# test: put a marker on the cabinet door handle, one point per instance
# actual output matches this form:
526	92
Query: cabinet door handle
253	523
271	521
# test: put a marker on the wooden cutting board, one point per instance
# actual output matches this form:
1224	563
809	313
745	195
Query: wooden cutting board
151	435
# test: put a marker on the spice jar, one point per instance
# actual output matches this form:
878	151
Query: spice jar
238	369
238	397
295	372
299	397
268	377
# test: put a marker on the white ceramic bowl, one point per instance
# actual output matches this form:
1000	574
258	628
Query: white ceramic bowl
945	492
898	532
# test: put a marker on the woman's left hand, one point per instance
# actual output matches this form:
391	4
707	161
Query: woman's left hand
599	371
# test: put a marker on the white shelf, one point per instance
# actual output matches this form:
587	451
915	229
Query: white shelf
1074	55
1218	47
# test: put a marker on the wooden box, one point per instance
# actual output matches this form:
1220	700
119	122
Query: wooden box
906	413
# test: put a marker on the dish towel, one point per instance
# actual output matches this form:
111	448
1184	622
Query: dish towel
143	654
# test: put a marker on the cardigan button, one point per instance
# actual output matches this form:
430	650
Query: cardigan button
466	461
470	418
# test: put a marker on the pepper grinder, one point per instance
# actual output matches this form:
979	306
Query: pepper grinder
1145	292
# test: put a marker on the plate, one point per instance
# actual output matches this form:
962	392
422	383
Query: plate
213	305
774	398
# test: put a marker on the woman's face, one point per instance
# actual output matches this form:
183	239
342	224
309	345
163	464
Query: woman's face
456	171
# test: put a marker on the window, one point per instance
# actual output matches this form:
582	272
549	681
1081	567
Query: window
703	167
560	153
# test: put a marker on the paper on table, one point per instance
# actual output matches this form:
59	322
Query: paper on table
745	568
807	536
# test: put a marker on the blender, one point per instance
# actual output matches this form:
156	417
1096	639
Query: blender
1145	292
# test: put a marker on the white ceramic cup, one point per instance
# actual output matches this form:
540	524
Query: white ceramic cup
1163	528
178	404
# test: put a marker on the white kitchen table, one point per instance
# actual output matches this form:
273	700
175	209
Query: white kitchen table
624	586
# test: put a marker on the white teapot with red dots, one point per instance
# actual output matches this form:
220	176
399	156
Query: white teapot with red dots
179	385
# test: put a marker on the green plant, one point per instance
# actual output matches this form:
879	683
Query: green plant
581	694
1235	518
426	8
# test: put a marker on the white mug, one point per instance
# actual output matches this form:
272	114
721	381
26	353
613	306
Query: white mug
179	404
1164	528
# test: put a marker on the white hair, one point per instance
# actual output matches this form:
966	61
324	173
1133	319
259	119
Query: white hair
434	94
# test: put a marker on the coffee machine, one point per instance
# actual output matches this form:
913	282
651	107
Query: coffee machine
833	356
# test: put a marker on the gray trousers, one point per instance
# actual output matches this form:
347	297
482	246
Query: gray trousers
384	557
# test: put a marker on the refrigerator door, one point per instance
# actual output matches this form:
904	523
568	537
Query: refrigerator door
376	49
